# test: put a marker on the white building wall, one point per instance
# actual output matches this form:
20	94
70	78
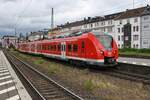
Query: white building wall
145	31
135	35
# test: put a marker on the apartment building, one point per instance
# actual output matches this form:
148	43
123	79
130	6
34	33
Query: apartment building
145	28
129	28
8	41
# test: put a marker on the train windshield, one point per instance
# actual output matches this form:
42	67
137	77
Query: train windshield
106	40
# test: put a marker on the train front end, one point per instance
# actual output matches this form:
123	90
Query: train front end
107	49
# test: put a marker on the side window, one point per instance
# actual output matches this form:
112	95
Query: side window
59	47
49	47
64	47
54	47
75	48
83	44
69	48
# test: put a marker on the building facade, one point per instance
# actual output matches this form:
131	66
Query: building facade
36	36
9	41
145	28
129	28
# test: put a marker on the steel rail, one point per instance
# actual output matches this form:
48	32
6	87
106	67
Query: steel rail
44	76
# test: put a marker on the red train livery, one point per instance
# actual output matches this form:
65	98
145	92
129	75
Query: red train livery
84	47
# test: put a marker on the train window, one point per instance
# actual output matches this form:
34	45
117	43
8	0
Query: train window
54	47
83	44
44	47
69	48
51	47
64	47
75	47
59	47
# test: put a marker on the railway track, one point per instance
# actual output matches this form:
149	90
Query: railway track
129	76
46	88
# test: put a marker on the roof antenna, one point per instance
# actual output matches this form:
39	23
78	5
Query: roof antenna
52	20
133	4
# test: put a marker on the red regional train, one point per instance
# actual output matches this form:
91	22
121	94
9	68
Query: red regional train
92	48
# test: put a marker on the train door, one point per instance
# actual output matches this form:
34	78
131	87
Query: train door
82	48
63	50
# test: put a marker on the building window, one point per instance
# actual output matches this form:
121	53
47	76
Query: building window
103	23
119	45
118	30
96	24
135	20
91	25
137	28
103	30
146	18
126	38
118	37
122	29
137	46
110	22
133	45
109	29
145	42
120	22
128	20
122	38
133	28
146	26
85	26
135	37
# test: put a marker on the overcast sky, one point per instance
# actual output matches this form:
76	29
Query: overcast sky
34	15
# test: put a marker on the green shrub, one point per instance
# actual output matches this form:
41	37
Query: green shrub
40	61
52	69
134	50
88	85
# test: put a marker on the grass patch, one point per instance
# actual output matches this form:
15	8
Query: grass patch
132	52
99	85
38	62
89	85
53	69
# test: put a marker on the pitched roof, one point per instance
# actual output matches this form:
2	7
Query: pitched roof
146	11
131	13
116	16
90	20
36	33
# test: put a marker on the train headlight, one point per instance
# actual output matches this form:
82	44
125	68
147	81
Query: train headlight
115	51
101	52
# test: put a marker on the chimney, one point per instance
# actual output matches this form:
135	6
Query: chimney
127	9
89	18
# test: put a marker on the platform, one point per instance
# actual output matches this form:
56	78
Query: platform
11	87
135	61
